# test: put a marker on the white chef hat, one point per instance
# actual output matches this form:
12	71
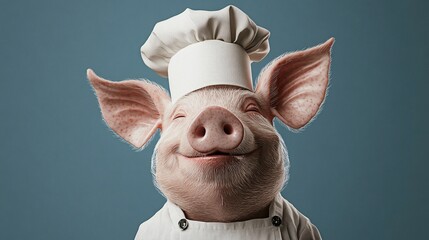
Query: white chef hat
196	49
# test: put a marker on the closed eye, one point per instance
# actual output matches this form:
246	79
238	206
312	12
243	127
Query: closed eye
252	107
178	116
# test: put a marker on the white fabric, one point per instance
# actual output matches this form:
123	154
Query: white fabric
208	63
177	34
295	226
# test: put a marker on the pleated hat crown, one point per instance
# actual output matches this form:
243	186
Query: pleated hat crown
199	48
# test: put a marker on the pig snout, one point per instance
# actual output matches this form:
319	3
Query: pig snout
215	129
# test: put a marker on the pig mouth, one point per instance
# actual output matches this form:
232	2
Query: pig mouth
217	157
219	153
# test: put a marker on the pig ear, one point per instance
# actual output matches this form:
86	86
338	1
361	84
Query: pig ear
133	109
295	84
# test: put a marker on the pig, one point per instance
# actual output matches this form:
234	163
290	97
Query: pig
219	158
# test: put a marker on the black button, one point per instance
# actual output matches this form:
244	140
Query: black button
183	224
276	220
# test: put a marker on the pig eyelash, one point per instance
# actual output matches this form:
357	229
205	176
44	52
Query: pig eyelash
178	116
252	108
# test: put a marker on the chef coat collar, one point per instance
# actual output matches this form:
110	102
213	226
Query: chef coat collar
178	217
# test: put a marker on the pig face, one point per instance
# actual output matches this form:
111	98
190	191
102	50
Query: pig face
219	145
218	148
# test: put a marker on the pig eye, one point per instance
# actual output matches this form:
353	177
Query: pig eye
178	116
252	108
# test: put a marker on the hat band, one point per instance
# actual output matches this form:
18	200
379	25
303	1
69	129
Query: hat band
208	63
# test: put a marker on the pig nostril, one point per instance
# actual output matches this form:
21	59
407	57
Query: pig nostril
227	128
200	132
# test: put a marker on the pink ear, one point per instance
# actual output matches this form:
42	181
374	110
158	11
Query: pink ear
133	109
295	84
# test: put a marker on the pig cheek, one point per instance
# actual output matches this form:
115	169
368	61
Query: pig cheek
164	152
268	142
262	131
168	167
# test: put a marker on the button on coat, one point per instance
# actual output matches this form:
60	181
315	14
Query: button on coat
183	224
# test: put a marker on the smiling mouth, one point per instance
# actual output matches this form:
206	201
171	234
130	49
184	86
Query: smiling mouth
219	153
217	157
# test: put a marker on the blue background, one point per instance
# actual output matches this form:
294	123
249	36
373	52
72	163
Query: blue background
358	172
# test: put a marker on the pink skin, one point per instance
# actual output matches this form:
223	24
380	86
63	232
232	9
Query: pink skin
217	180
215	129
219	157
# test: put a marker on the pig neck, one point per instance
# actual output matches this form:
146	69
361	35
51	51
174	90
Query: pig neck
198	216
220	213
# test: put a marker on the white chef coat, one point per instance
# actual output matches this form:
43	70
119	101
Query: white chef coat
284	222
